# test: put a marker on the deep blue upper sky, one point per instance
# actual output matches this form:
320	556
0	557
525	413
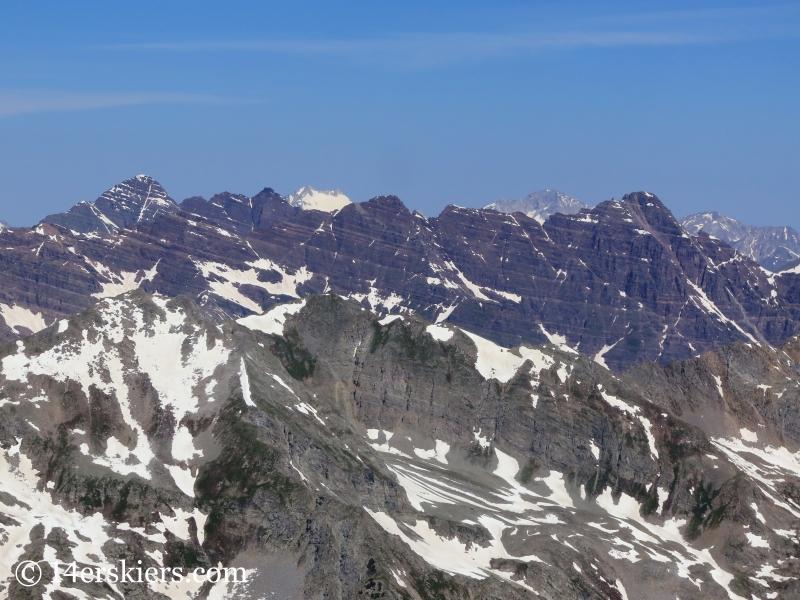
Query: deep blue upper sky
437	102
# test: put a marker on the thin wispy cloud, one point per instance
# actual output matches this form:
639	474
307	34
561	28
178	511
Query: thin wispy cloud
17	102
770	13
676	28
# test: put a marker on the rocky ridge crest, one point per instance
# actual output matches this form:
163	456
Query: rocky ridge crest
622	282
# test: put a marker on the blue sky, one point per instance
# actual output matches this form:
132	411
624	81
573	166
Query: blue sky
437	102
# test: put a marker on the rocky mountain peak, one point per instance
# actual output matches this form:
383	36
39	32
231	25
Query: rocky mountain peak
389	201
717	225
227	198
650	209
239	213
774	248
539	205
269	191
133	201
307	198
645	200
140	192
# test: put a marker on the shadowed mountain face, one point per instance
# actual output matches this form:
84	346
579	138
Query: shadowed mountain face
539	205
622	282
334	453
771	247
237	213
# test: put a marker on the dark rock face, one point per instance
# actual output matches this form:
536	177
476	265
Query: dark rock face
771	247
133	201
341	454
622	283
239	213
623	280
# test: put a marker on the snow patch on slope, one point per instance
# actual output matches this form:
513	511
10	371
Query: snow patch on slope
768	466
225	281
244	381
377	302
496	362
439	332
272	321
599	358
450	555
439	452
633	412
103	361
704	302
626	512
20	317
123	282
29	507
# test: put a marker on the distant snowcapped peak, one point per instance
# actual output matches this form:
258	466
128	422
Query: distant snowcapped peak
771	247
308	198
539	205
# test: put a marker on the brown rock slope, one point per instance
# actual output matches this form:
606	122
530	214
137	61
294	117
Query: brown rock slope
335	453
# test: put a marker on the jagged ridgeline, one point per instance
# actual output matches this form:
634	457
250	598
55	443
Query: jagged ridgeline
331	452
622	282
776	248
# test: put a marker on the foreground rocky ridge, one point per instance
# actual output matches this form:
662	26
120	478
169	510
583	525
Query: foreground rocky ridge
336	453
622	282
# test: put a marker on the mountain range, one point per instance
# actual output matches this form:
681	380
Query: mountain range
771	247
352	400
775	248
621	282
